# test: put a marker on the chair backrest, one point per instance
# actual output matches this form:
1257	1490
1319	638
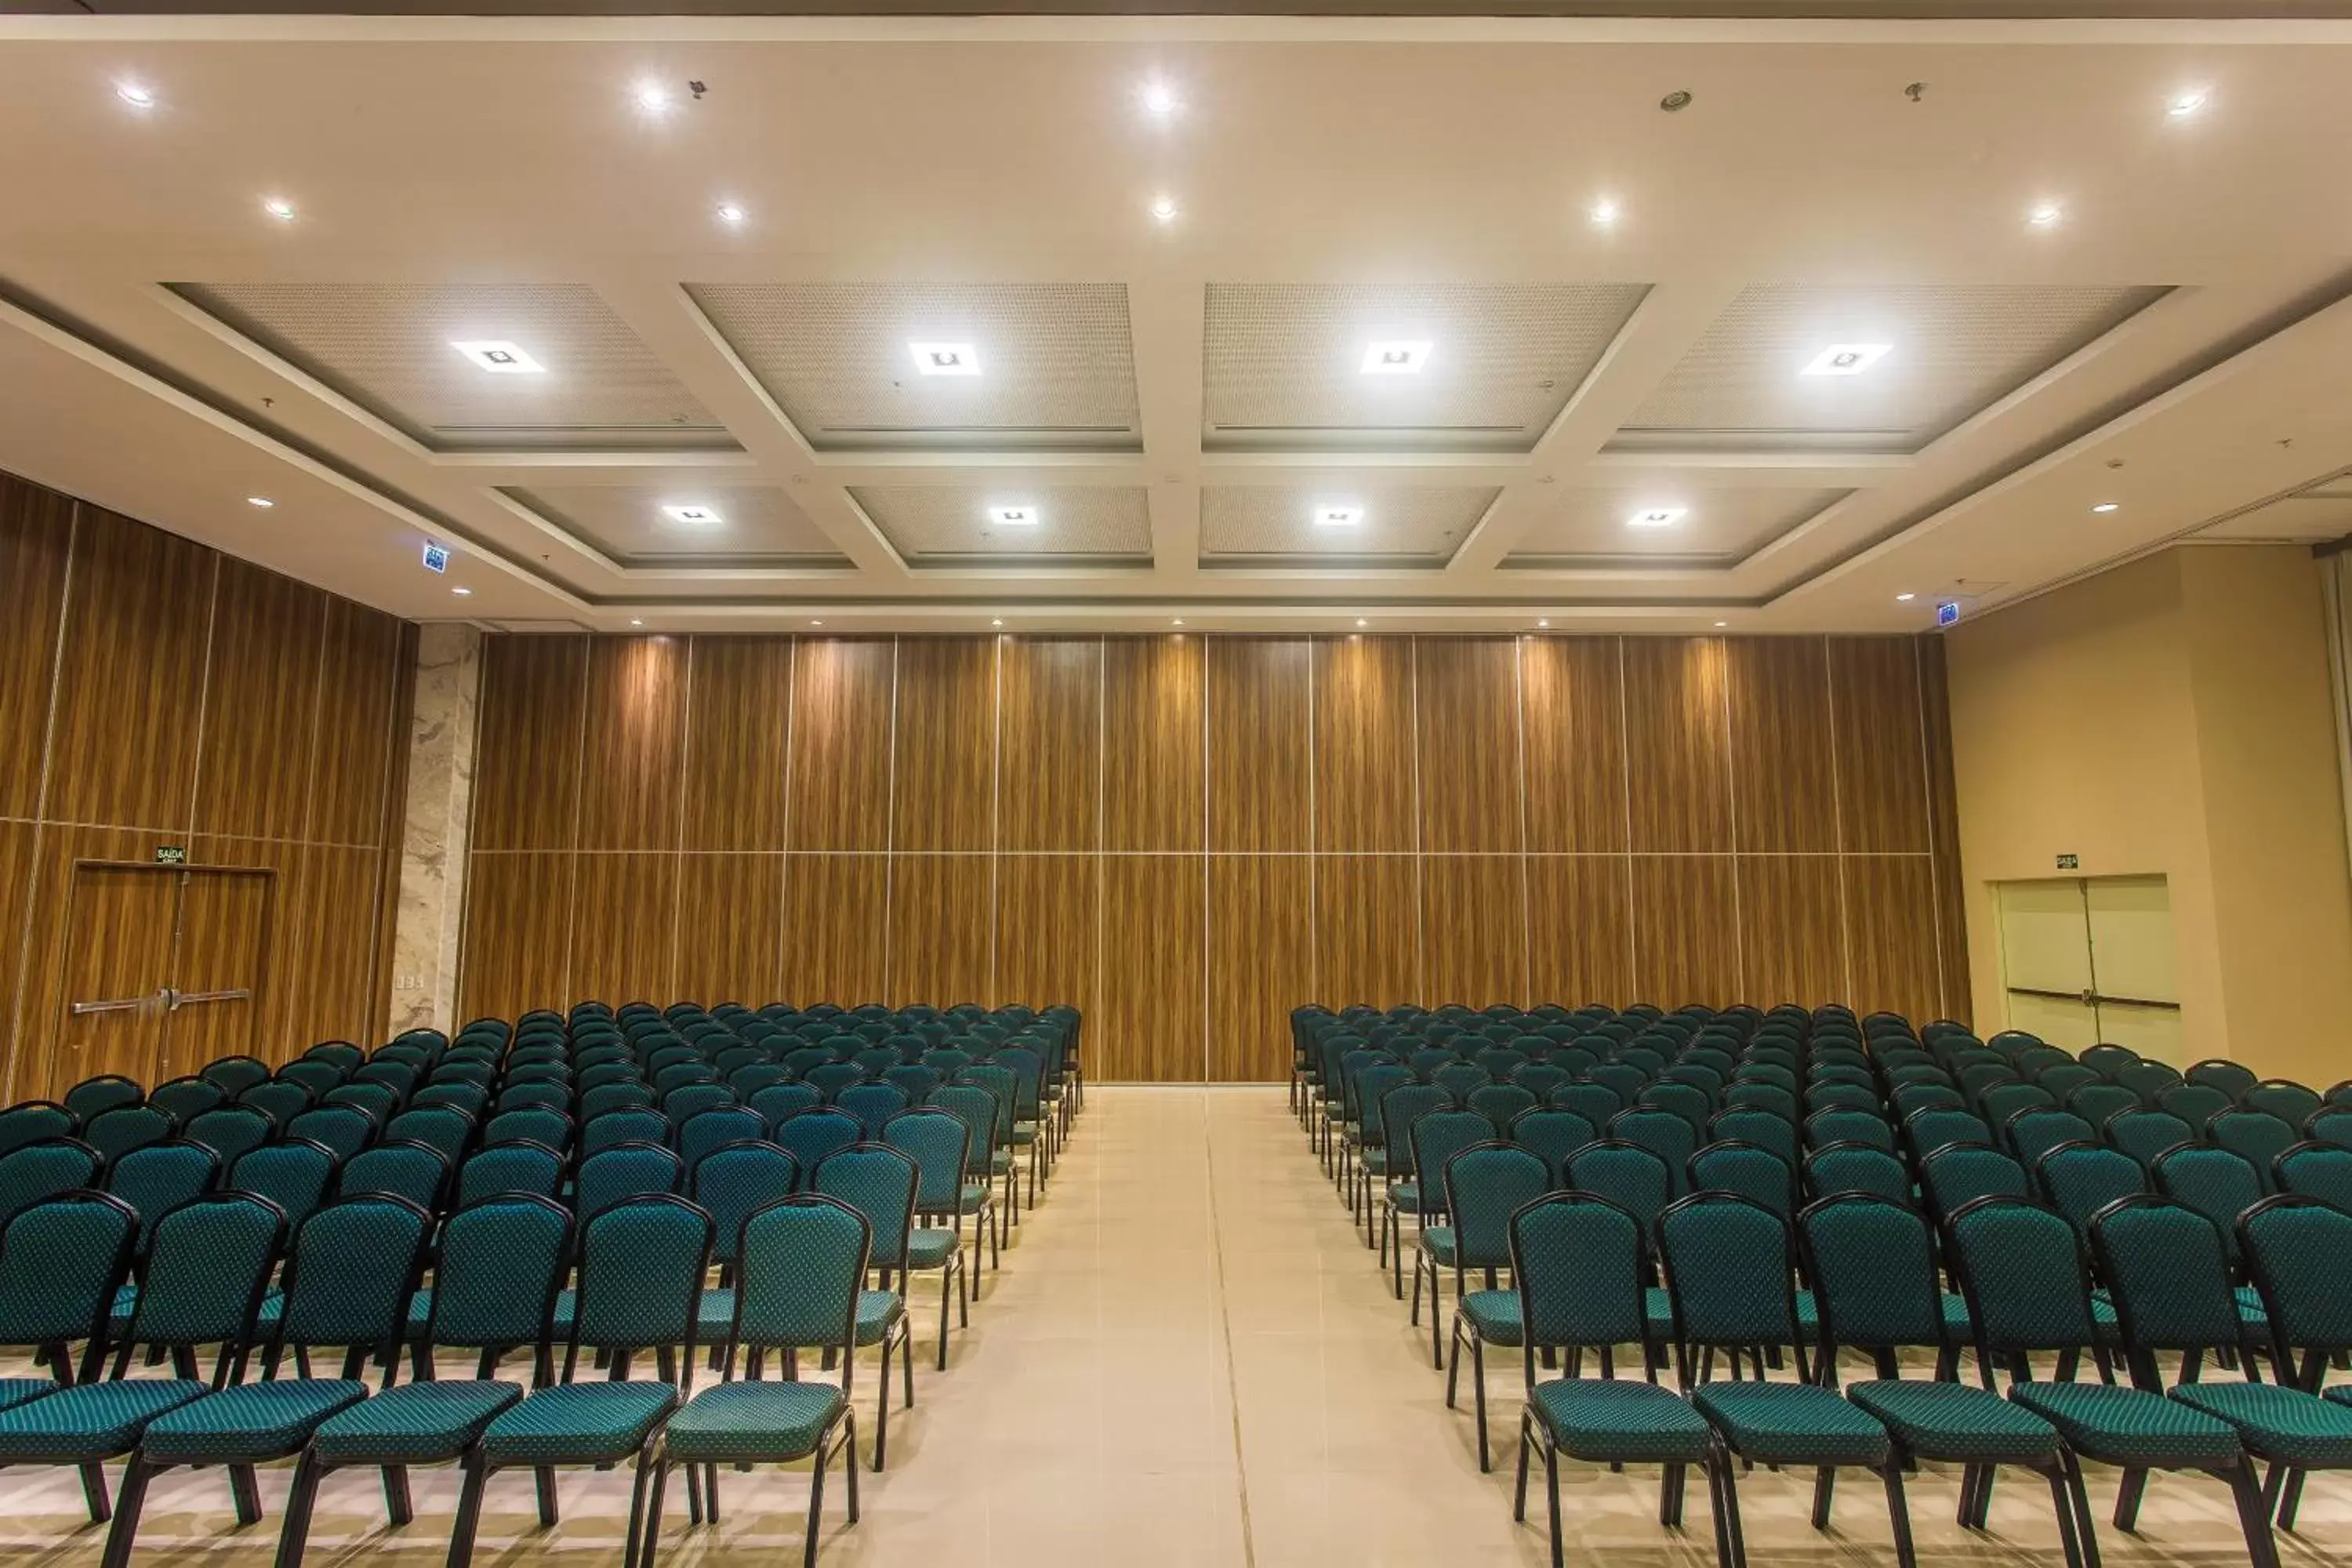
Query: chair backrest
1754	1173
694	1098
1848	1125
2230	1079
804	1264
878	1182
1960	1174
516	1165
62	1261
1633	1178
1551	1136
2257	1136
114	1133
813	1134
281	1099
345	1130
733	1182
1396	1111
417	1172
1577	1259
940	1146
1728	1266
377	1099
1668	1136
2145	1134
624	1171
2290	1101
2167	1273
2216	1182
206	1266
2317	1170
1438	1137
296	1175
1498	1103
495	1273
1690	1101
2095	1102
159	1178
830	1077
95	1096
615	1128
42	1170
642	1263
1929	1129
2021	1268
976	1109
443	1127
314	1075
1745	1124
2298	1252
1872	1261
1484	1185
2107	1060
618	1095
2035	1131
539	1124
2146	1078
2081	1178
353	1268
872	1104
31	1120
2195	1103
1857	1168
698	1134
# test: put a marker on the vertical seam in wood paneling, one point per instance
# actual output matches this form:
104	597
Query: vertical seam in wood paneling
995	807
890	820
1207	910
1927	809
784	832
678	854
579	810
14	1038
1625	766
391	846
1526	891
1837	818
204	695
318	708
1314	845
1420	889
1731	802
473	853
1102	830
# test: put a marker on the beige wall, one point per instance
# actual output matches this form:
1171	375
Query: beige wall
2172	717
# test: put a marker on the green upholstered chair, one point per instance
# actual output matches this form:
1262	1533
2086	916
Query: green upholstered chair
416	1172
983	1163
349	1279
2298	1250
1485	1184
94	1097
1437	1136
1856	1168
2317	1170
510	1165
938	1144
31	1120
1876	1289
2145	1134
801	1272
642	1263
879	1182
115	1133
1729	1271
731	1184
1578	1262
1397	1112
62	1262
2021	1266
2078	1179
295	1175
624	1171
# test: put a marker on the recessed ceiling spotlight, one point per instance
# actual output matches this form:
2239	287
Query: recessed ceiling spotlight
1014	516
1160	98
693	514
2106	506
730	213
1404	356
652	97
996	623
1360	623
463	592
637	622
259	500
1657	516
279	207
1606	212
1338	516
1543	623
1164	209
1905	599
499	356
2046	215
2184	105
945	359
816	623
1719	625
1180	620
138	95
1846	359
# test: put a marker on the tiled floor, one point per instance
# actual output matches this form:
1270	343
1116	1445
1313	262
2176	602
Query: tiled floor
1187	1359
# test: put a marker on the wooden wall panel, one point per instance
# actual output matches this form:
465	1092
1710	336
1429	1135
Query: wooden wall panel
1686	930
1677	745
1467	690
739	715
1791	927
1473	929
941	932
731	928
839	795
1573	692
261	704
624	927
1580	928
1882	764
1050	731
944	744
516	946
1152	739
634	745
1892	970
153	692
1048	928
1261	963
1150	1024
1783	760
835	928
532	707
1944	816
1261	719
1365	788
1366	936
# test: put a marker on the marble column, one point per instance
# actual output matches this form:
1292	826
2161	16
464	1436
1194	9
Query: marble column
439	820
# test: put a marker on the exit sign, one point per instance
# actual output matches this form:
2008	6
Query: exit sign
171	854
2069	862
436	558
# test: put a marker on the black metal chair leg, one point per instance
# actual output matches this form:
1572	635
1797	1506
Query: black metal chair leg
543	1477
245	1493
1898	1514
652	1538
300	1498
1824	1490
398	1507
128	1502
93	1492
2127	1496
470	1511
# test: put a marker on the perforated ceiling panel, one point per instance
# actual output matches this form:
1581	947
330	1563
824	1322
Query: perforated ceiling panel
1715	527
1951	350
1399	525
941	523
1047	366
732	524
1284	363
388	347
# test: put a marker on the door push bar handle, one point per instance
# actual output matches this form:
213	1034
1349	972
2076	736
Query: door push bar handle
166	1001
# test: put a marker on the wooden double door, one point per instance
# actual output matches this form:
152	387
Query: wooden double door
165	969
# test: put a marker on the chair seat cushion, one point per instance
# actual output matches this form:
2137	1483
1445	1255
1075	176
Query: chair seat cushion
415	1423
876	1311
2341	1394
250	1421
739	1422
973	1197
578	1423
1619	1421
1494	1315
1958	1327
2274	1422
91	1420
2120	1425
1792	1423
1405	1196
17	1391
2250	1311
930	1248
1955	1421
1437	1243
1658	1310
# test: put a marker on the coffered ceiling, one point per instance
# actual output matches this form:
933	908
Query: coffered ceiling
928	324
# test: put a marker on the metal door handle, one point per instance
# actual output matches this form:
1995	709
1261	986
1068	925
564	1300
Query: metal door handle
118	1005
175	1000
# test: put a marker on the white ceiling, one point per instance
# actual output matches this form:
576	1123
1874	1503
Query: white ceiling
1176	400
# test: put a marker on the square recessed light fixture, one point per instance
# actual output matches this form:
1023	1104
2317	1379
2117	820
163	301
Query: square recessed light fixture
1338	516
1847	359
945	359
1399	356
498	357
1014	516
1657	516
693	515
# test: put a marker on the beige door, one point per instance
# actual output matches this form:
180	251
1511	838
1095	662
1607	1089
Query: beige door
2090	959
